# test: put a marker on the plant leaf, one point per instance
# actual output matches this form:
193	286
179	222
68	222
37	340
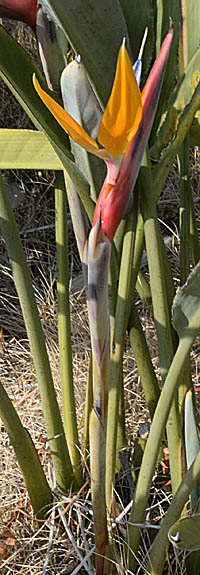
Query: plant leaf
189	37
163	13
177	103
27	150
185	533
195	131
162	169
27	456
95	30
186	307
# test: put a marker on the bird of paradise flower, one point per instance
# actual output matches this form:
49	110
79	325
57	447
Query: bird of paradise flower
123	131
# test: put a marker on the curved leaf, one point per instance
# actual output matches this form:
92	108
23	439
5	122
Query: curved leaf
185	533
162	169
163	13
195	131
186	307
177	103
189	36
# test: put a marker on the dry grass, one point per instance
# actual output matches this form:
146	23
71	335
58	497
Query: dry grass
23	548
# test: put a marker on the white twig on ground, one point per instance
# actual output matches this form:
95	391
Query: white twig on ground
83	560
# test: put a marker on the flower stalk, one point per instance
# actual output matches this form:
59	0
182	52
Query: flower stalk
99	249
64	329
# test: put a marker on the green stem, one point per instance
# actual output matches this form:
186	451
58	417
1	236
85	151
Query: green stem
156	268
117	347
138	251
88	407
185	250
143	288
160	545
194	234
64	328
27	457
99	248
153	444
121	429
79	220
162	310
21	276
185	190
145	368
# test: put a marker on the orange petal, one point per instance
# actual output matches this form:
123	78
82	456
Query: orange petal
123	112
70	125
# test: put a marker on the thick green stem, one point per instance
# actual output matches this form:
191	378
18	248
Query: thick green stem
185	248
64	329
143	288
88	407
162	311
21	276
189	244
138	248
121	429
160	545
145	368
99	248
185	191
153	444
156	269
27	457
79	219
117	348
194	234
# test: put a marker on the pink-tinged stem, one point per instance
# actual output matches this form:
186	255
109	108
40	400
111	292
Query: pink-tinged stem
98	265
24	10
112	203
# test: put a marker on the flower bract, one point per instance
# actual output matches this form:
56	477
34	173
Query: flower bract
120	119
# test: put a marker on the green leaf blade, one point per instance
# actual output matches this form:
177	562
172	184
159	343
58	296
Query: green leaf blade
27	150
185	533
186	316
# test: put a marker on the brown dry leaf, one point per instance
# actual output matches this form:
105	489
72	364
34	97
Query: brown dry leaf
10	541
3	552
8	537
